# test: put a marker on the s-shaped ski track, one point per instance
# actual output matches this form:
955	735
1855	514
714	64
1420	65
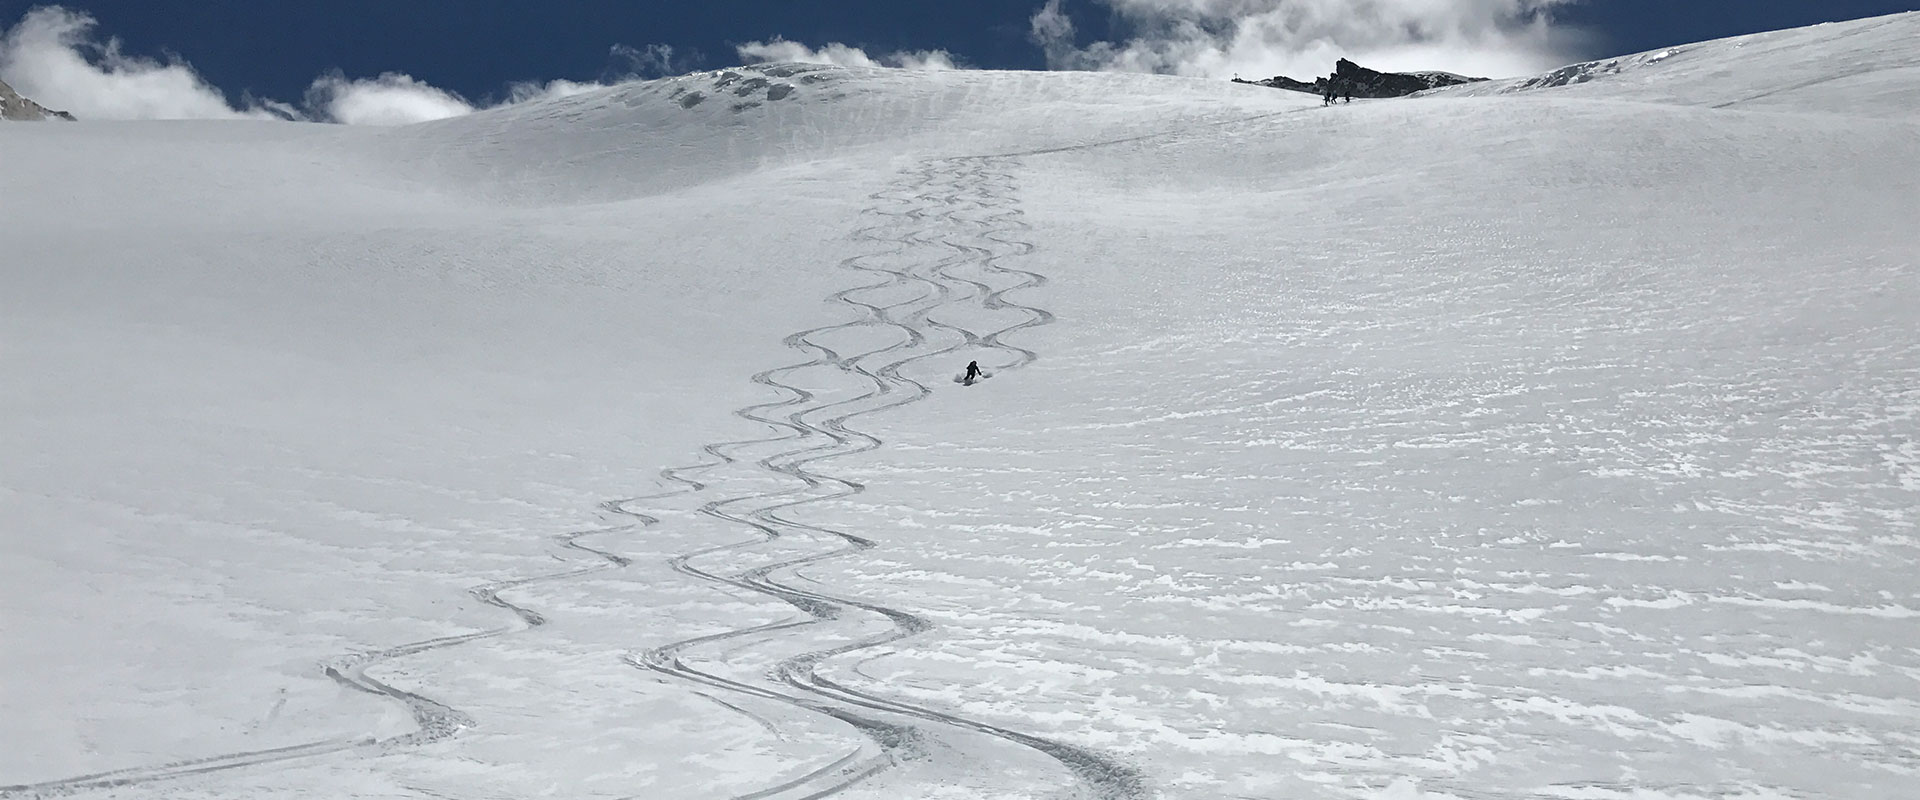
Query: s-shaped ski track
936	193
943	232
433	720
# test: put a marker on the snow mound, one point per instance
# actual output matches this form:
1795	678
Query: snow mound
1868	67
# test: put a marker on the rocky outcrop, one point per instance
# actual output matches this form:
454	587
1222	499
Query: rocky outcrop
1284	82
1352	79
15	107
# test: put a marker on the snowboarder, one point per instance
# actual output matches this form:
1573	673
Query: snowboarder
973	372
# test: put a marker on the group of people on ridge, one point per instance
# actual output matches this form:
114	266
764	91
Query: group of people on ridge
1334	91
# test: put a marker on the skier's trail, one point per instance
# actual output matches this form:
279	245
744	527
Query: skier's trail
943	231
433	720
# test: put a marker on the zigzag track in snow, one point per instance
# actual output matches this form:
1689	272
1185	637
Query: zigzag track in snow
919	213
433	720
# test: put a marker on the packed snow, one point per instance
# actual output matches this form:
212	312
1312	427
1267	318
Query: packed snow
1553	439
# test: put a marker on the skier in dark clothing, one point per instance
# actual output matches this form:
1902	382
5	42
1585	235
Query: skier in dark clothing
973	371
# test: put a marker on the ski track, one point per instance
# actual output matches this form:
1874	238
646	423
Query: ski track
946	271
946	227
433	720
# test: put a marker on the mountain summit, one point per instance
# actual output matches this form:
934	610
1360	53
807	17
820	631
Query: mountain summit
15	107
1349	78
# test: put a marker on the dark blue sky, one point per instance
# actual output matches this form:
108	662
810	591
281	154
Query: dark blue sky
275	48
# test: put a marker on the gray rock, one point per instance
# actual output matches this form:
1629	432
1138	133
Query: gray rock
1352	79
15	107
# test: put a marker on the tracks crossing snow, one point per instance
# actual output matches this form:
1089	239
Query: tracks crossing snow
433	720
943	232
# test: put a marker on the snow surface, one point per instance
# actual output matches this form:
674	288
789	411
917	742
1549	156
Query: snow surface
1866	67
1560	443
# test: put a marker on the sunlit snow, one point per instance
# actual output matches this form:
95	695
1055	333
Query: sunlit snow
1552	439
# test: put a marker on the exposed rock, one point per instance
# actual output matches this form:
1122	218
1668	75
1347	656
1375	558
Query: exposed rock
15	107
1349	78
1284	82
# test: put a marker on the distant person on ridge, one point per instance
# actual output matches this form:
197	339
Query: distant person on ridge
973	371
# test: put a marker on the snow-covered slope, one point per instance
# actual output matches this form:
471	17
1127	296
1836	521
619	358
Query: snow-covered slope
1866	67
669	134
1533	446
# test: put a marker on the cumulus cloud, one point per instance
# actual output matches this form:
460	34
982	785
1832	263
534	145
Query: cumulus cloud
1261	38
398	99
391	99
54	57
922	60
529	91
842	55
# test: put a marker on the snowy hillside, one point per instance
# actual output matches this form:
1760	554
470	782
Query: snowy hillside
669	134
1865	67
1496	444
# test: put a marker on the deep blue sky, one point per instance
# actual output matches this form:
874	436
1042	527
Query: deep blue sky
275	48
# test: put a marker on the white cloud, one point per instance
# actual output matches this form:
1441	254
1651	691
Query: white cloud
1055	33
654	60
398	99
841	55
53	56
529	91
391	99
834	53
923	60
1302	38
